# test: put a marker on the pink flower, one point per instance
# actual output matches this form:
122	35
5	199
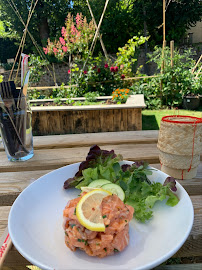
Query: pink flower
122	76
106	66
64	49
62	41
116	69
78	34
98	70
45	50
94	67
63	31
69	71
55	50
112	69
85	72
78	20
73	30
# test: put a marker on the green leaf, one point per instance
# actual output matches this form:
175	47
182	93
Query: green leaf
123	185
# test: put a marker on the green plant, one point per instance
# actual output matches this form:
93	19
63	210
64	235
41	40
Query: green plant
36	94
91	96
61	92
120	95
36	65
176	81
127	55
58	101
150	88
69	101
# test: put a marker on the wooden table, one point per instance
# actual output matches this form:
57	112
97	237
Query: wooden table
52	152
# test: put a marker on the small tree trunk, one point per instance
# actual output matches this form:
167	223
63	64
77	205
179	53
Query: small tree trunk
42	22
43	29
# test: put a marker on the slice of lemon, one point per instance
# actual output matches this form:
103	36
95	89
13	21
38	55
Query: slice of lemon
87	189
88	210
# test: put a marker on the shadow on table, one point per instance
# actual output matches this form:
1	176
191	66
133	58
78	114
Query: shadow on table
149	122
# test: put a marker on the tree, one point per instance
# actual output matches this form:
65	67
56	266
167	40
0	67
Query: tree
180	15
123	19
126	18
46	19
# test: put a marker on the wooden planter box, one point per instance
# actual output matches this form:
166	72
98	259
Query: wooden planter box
49	120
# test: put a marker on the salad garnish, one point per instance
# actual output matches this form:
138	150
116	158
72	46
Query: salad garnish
139	191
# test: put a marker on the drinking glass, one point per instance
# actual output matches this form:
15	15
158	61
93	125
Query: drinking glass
16	129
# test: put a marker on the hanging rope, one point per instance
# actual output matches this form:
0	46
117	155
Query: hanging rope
13	6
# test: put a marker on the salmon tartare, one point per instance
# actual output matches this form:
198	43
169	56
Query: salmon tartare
116	217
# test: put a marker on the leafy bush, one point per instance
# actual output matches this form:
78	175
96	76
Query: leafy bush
178	80
97	77
36	65
104	75
150	88
127	55
91	96
60	92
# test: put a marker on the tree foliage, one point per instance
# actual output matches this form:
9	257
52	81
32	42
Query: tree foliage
123	19
46	20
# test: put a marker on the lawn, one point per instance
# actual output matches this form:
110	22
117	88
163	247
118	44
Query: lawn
151	118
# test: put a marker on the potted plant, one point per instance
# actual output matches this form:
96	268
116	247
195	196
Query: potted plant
191	99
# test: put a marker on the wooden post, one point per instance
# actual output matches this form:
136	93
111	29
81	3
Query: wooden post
100	37
200	58
164	21
171	63
164	44
171	52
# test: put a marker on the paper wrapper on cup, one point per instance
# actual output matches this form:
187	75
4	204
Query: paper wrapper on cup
180	145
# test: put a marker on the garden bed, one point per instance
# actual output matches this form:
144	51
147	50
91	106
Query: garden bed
48	120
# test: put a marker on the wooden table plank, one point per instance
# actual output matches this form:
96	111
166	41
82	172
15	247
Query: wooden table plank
88	139
48	159
192	246
12	183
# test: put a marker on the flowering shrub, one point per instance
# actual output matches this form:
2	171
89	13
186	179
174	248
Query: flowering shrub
75	38
97	76
120	95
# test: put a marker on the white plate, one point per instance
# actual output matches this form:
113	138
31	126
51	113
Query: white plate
35	227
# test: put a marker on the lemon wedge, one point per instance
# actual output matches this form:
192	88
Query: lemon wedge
88	210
